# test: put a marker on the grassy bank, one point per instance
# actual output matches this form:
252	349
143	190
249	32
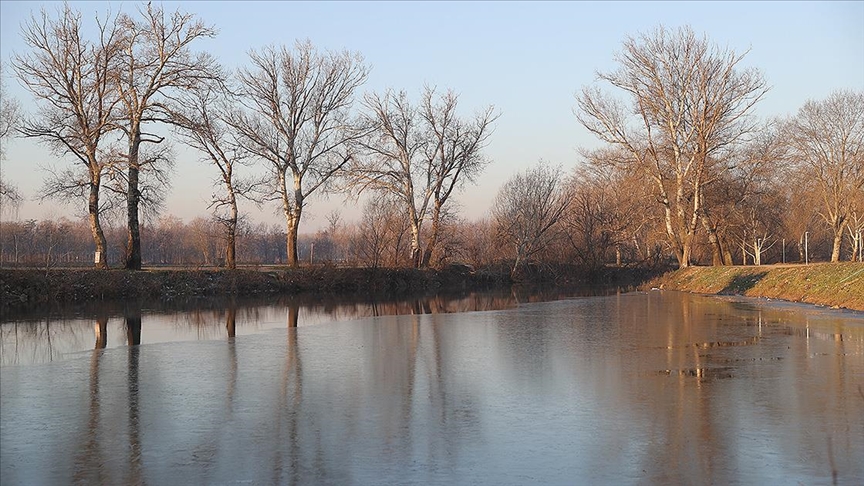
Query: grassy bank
828	284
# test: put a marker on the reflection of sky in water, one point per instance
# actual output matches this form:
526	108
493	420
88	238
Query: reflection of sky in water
659	388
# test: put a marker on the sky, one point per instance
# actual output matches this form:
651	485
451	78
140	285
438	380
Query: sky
527	59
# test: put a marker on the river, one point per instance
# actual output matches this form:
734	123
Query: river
628	388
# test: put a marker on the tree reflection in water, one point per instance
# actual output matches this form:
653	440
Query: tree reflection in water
658	388
54	337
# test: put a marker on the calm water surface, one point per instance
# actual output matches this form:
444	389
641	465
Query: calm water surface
637	388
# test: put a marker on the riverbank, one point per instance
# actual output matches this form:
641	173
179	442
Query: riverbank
29	288
839	285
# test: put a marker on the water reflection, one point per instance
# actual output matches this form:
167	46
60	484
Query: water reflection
231	320
55	337
101	329
658	388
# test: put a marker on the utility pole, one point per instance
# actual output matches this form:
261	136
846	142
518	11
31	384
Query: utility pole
806	254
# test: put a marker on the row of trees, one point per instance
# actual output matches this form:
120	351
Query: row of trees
685	125
685	166
542	217
291	110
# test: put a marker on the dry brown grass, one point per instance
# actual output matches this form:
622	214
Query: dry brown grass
830	284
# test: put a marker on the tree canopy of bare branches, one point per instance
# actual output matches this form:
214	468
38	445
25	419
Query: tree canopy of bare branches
826	147
689	105
73	80
455	152
420	155
607	210
527	211
299	121
10	117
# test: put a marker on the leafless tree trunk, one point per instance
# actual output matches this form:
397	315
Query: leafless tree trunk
454	152
200	118
394	162
156	60
73	78
527	209
300	121
420	155
692	104
826	142
855	228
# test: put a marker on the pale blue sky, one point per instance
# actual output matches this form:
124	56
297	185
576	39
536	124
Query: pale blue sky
526	58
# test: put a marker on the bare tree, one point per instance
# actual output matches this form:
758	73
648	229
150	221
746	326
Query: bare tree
10	118
755	169
395	161
72	79
420	155
826	145
156	62
379	233
454	152
477	242
691	103
201	120
527	210
608	208
300	121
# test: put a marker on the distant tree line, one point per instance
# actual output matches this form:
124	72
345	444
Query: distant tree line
686	170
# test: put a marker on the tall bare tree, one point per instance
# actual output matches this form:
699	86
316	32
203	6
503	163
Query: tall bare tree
201	120
689	105
299	121
395	158
72	78
527	211
420	155
156	62
826	142
10	118
454	154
